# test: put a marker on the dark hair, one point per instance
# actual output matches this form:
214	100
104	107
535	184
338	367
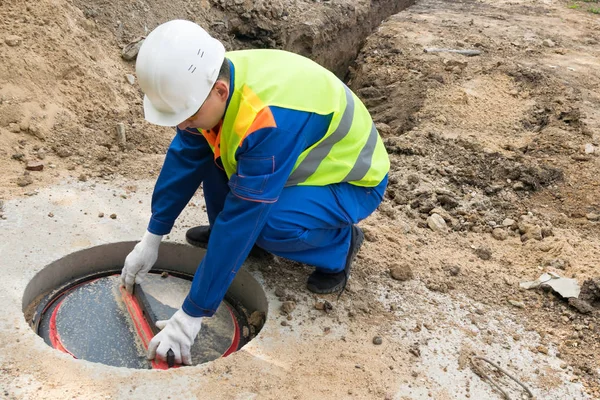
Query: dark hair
224	72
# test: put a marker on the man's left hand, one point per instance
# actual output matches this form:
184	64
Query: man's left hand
178	334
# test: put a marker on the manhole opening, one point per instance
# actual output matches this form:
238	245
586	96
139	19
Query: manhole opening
77	306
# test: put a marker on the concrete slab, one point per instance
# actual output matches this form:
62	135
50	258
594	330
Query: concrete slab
313	355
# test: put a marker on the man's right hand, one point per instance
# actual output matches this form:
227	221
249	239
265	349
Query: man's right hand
140	260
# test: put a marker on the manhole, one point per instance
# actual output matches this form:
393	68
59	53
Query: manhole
78	306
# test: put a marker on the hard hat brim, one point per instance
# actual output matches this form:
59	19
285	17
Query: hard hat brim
156	117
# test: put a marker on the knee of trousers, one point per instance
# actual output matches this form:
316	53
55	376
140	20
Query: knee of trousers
274	235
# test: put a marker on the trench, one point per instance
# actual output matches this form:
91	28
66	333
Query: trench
330	33
333	38
338	50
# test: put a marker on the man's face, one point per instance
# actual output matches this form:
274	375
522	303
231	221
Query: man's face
211	111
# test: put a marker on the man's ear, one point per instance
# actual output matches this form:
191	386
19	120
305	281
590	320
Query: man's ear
222	90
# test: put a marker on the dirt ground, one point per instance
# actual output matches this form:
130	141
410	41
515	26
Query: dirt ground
494	179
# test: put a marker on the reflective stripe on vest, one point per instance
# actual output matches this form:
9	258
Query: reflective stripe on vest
309	165
350	151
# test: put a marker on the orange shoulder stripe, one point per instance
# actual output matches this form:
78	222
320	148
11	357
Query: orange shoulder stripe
264	119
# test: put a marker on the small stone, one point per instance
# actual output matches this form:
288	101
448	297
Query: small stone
279	292
83	178
499	234
36	131
284	323
518	304
164	274
382	127
377	340
578	157
535	233
24	180
509	223
593	216
454	270
64	152
323	306
130	78
581	305
18	156
288	306
121	138
131	50
483	252
436	223
401	272
113	216
257	319
542	349
548	43
14	128
519	186
412	178
13	40
564	365
589	148
101	215
51	215
34	166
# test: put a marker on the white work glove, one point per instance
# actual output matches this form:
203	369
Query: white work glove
178	334
140	260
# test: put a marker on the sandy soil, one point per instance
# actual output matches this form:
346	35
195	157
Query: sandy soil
503	146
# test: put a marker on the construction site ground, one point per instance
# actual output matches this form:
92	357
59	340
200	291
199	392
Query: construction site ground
495	179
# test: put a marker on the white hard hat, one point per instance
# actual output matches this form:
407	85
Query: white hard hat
177	66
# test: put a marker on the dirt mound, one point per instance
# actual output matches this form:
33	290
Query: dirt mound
66	90
503	143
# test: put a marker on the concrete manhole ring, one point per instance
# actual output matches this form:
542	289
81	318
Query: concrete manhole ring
76	304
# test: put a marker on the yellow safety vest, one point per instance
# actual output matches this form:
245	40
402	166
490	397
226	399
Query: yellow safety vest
351	150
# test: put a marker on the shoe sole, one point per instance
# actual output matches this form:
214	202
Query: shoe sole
202	245
334	289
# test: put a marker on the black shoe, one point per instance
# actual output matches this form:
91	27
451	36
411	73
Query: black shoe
199	236
324	283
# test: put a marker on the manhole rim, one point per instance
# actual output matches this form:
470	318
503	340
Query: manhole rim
177	258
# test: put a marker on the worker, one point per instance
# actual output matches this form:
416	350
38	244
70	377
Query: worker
288	158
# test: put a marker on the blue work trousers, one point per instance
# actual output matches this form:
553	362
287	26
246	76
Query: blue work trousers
308	224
